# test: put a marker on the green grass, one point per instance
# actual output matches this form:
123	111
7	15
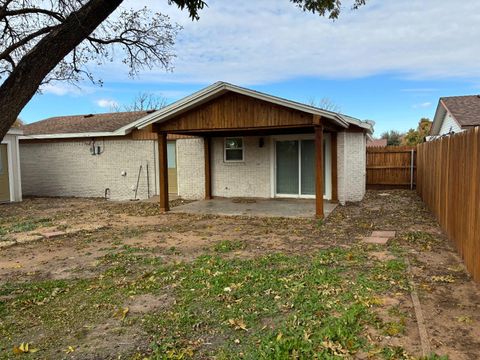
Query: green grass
271	307
25	225
226	246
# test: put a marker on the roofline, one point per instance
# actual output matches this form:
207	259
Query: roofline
15	131
439	117
73	135
217	88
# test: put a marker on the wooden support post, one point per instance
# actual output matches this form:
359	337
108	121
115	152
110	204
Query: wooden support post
208	170
334	167
163	169
319	170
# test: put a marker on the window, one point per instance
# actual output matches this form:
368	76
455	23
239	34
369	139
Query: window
233	149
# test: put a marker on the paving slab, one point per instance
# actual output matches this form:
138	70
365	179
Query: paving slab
387	234
375	240
52	234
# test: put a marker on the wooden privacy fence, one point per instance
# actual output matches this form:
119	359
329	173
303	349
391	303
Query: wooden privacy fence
448	181
391	167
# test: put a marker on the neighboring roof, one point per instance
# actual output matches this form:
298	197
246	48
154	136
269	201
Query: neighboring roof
107	124
465	110
377	142
219	88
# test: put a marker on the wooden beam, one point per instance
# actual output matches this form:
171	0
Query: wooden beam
317	120
163	169
334	167
319	170
207	141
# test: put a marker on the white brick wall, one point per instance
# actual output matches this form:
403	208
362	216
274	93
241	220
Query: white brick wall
191	169
351	166
250	178
68	169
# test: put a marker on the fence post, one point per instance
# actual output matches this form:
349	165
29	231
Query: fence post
411	168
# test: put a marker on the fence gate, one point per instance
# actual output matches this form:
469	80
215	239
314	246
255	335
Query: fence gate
391	167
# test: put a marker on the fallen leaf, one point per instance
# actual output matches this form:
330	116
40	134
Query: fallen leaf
24	348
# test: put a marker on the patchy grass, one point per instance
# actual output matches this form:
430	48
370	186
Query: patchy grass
25	225
272	306
226	246
151	286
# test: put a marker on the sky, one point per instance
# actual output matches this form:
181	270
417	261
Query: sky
389	61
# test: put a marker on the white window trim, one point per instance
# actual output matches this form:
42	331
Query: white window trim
225	149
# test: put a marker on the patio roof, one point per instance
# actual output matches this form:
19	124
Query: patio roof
221	88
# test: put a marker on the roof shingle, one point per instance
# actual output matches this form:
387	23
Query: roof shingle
465	109
92	123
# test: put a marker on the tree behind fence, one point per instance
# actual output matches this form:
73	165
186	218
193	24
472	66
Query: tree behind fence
448	181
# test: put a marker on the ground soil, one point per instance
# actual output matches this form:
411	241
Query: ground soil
450	300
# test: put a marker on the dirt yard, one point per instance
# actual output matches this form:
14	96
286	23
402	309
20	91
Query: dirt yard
90	279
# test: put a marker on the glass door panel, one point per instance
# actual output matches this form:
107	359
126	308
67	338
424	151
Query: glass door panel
307	167
287	155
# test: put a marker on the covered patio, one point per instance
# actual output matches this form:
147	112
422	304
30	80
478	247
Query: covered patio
254	146
290	208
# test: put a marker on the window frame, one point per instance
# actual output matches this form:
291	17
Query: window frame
225	149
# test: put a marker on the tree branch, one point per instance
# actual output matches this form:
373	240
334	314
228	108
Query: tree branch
24	41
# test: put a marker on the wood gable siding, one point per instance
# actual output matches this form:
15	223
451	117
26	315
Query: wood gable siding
236	111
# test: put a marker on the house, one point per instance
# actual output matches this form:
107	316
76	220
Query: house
93	155
250	144
455	114
377	143
10	179
222	141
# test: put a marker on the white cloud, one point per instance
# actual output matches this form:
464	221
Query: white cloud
423	105
62	89
256	42
107	103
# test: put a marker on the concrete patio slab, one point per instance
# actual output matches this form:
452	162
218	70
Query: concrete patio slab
291	208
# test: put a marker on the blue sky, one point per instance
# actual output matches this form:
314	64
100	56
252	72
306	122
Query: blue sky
388	62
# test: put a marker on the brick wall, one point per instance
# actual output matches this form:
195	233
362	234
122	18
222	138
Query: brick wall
68	169
191	168
250	178
351	166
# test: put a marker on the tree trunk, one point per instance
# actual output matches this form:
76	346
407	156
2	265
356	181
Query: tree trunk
26	77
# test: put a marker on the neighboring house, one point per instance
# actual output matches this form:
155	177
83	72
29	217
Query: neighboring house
377	143
257	145
250	144
93	156
455	114
10	179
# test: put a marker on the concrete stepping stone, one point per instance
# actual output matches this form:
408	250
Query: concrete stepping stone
375	240
387	234
52	234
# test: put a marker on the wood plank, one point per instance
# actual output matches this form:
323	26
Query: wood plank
233	110
163	171
447	181
319	171
390	166
208	171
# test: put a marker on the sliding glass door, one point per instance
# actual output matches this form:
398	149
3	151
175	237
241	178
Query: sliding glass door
295	167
